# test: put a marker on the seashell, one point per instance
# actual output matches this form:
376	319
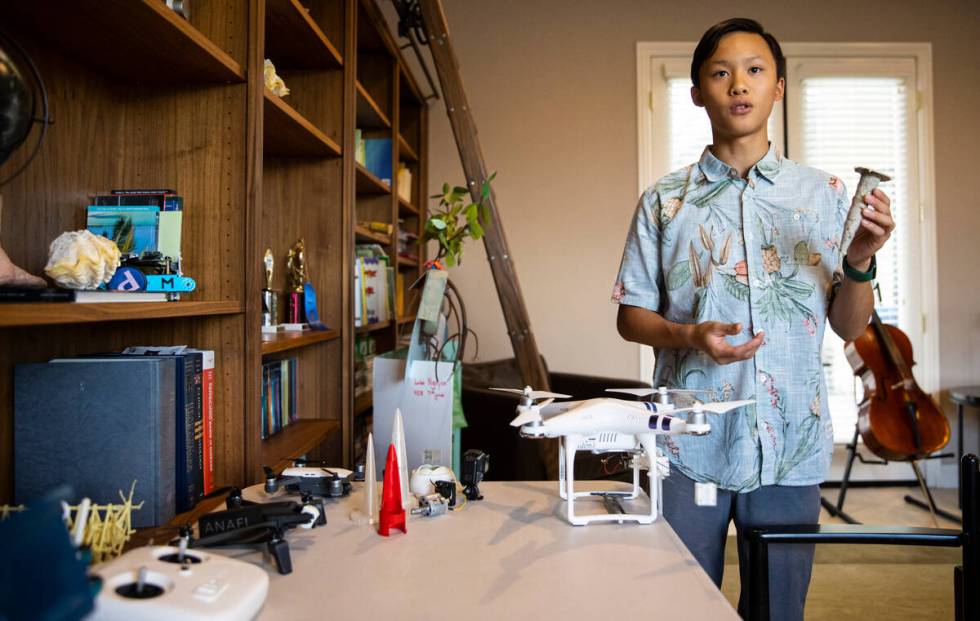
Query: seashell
82	260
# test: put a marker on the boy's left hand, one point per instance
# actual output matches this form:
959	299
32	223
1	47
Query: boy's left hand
876	227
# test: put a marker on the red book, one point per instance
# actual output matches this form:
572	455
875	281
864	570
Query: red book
207	418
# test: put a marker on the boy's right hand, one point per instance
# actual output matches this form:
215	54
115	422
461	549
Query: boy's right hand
709	337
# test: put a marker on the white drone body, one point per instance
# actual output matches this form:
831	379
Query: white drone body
612	425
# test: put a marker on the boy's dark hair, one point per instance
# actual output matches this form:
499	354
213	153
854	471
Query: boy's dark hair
709	43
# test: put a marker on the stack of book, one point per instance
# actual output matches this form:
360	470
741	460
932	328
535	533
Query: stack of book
98	422
279	407
374	285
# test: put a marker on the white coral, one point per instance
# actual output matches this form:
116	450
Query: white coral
82	260
272	80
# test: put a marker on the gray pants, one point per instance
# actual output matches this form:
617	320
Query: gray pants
704	530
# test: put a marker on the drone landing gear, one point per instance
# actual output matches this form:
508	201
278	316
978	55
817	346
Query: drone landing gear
612	500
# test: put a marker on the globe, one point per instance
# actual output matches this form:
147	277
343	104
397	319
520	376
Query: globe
16	107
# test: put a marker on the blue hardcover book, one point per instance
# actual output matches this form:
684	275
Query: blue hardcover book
190	425
98	425
377	154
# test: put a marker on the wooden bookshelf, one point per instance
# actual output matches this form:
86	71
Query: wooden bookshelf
294	440
45	314
369	183
366	235
294	40
369	113
405	151
288	133
363	403
407	208
182	103
404	262
273	343
374	327
405	319
133	40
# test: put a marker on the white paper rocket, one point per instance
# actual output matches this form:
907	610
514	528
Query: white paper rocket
398	439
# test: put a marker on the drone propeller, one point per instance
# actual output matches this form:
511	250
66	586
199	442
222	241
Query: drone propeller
533	394
719	407
531	414
643	392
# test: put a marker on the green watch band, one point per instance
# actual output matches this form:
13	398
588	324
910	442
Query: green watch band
855	275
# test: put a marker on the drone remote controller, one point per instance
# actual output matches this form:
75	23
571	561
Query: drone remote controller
161	583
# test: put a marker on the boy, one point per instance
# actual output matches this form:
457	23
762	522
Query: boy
727	274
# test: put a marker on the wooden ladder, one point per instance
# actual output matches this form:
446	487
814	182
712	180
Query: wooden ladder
522	339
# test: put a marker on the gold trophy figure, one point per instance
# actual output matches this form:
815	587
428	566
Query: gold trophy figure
296	268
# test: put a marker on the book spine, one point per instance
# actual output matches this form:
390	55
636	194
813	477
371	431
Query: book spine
198	425
207	387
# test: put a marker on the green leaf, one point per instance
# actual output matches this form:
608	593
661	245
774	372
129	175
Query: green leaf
678	276
492	176
736	289
486	214
438	224
460	190
450	260
476	231
445	189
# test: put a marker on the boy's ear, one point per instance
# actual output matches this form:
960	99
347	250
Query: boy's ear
780	89
696	97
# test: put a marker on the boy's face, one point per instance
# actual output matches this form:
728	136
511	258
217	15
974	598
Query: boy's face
739	86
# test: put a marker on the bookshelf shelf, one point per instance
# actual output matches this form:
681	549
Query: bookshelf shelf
369	113
45	313
374	327
294	40
288	133
285	341
407	208
406	151
365	235
297	438
363	403
160	46
405	262
368	183
406	319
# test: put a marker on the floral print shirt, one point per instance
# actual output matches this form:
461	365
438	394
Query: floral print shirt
762	251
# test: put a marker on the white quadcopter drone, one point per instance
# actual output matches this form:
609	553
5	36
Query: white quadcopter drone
606	425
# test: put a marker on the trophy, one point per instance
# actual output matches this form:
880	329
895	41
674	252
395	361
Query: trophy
270	304
296	266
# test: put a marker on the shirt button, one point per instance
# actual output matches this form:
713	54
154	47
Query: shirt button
796	216
762	376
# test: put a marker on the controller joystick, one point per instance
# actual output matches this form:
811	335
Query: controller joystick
141	589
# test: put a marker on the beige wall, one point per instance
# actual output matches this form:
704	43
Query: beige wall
552	87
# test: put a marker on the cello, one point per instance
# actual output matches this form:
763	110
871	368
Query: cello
897	420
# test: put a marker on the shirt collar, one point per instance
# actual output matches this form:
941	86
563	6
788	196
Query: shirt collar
714	169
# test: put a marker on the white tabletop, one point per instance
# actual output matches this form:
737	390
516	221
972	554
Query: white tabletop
509	556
